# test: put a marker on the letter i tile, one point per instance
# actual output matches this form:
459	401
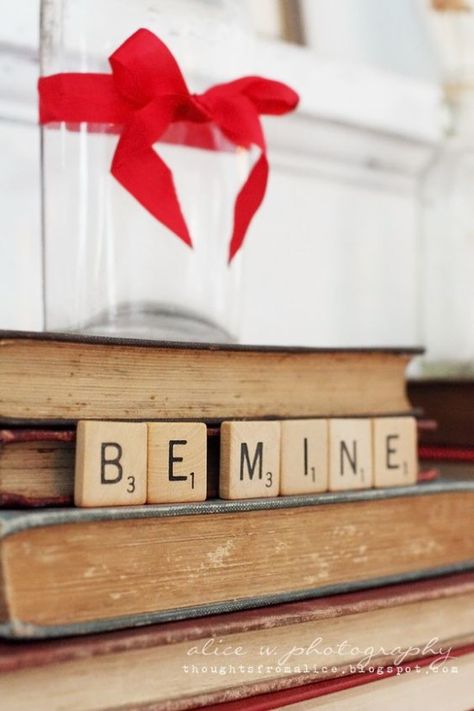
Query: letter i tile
111	464
304	456
250	460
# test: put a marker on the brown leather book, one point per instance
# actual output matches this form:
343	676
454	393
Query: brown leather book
49	378
451	404
67	571
255	659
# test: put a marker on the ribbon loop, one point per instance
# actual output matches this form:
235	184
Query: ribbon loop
144	68
144	95
268	96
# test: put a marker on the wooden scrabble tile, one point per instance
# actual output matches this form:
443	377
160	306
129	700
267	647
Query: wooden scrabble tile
110	464
177	456
395	451
250	460
350	454
304	456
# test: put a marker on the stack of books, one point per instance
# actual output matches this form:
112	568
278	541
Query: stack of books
356	592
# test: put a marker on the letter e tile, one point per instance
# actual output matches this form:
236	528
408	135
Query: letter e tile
177	455
395	451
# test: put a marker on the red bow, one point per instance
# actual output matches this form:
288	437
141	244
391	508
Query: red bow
145	93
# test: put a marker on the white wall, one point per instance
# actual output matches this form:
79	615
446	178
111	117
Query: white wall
331	257
389	35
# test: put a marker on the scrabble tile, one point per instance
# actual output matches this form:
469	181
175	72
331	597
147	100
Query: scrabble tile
395	451
250	460
350	454
177	455
110	464
304	456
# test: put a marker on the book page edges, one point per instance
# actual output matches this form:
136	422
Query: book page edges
161	383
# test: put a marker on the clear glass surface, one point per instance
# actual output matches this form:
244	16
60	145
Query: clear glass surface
110	267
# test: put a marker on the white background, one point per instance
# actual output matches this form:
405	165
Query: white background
332	256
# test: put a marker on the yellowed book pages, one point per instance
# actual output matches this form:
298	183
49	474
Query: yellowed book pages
63	380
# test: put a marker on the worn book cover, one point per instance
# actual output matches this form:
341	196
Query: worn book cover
66	571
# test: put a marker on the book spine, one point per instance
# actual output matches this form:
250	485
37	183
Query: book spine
463	455
4	612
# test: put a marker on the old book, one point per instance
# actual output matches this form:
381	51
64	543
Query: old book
239	658
69	571
61	379
451	404
36	467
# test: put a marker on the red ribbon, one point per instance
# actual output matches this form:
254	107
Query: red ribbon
143	96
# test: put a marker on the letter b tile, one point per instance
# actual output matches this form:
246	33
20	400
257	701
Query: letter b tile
111	464
250	460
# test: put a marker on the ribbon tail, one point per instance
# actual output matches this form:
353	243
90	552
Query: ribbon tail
147	177
247	203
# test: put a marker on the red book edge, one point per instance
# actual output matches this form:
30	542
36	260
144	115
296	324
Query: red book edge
285	697
31	434
446	454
